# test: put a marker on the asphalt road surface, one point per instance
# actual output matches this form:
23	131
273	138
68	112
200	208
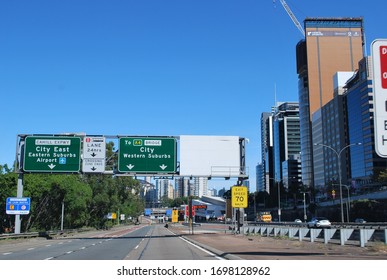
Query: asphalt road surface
141	242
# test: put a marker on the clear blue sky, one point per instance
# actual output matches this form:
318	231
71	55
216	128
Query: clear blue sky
154	67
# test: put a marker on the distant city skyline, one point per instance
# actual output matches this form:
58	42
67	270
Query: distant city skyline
154	68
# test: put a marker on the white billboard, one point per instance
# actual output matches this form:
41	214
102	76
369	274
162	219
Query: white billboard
210	156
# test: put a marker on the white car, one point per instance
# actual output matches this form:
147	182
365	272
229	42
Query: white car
319	222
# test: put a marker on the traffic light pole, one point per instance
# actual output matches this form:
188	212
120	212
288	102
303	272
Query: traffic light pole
190	213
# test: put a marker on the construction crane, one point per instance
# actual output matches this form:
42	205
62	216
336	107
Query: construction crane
292	16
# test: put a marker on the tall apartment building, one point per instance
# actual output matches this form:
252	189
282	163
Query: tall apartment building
330	45
162	188
200	186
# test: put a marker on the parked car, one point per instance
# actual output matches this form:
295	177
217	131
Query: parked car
319	222
360	221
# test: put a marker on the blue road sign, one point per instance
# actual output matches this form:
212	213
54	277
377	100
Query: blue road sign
18	205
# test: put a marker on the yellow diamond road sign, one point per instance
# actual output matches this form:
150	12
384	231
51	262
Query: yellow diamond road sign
239	197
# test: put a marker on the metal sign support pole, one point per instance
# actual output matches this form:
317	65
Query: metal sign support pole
20	195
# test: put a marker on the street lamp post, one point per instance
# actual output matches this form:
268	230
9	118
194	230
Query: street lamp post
279	196
305	216
348	202
338	154
279	201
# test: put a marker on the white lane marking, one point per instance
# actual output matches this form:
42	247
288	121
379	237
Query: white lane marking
8	253
50	258
69	252
202	249
139	244
30	249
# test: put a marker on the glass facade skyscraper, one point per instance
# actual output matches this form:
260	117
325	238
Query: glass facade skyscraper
365	163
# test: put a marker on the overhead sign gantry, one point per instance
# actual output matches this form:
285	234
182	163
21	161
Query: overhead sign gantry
182	156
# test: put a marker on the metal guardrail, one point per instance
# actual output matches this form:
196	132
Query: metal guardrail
18	236
368	225
45	234
329	235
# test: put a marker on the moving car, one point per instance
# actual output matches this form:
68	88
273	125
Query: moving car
319	222
297	221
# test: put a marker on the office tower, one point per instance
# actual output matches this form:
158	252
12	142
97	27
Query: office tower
286	141
329	128
331	45
259	176
267	150
365	164
280	134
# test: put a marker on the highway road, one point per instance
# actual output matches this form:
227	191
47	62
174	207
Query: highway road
143	242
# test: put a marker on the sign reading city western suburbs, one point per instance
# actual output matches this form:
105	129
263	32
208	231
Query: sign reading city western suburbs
379	61
18	205
52	154
147	155
94	154
239	197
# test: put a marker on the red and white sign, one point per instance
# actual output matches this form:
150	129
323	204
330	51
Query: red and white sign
187	210
94	153
383	66
379	61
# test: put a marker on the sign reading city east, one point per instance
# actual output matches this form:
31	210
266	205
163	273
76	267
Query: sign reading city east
94	154
18	205
147	155
379	61
239	197
52	154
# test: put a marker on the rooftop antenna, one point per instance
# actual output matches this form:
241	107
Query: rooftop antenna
275	94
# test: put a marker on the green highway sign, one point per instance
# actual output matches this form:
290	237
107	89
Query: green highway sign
52	154
147	155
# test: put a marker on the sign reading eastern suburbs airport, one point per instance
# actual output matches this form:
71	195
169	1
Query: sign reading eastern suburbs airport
147	155
52	154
